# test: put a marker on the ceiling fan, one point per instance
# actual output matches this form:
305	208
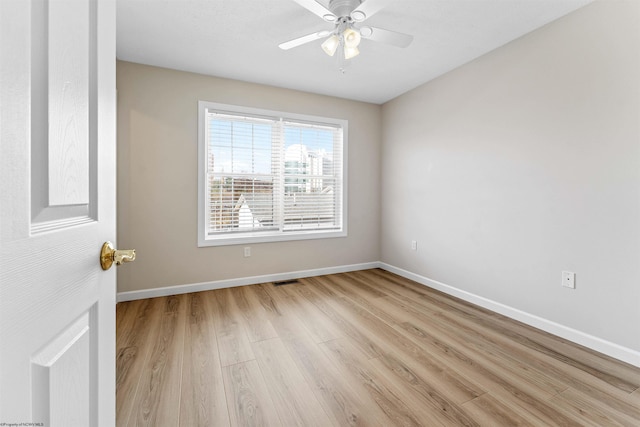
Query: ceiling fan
347	17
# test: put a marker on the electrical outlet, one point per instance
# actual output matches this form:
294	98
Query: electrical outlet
247	251
569	279
414	245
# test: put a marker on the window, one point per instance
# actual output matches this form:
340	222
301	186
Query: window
268	176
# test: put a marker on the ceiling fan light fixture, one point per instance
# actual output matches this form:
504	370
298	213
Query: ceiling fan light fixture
350	52
351	38
347	33
330	45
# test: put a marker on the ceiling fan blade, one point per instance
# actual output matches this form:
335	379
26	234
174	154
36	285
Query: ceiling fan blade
367	9
304	39
385	36
314	7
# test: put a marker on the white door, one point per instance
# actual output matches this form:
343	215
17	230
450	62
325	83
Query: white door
57	207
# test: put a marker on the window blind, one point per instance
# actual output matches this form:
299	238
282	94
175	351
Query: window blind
270	175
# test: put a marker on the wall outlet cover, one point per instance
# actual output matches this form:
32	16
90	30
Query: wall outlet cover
569	279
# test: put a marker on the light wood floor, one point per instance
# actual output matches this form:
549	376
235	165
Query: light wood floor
365	348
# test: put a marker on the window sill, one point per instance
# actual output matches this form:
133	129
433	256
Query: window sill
228	240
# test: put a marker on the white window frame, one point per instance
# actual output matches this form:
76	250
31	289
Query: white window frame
241	238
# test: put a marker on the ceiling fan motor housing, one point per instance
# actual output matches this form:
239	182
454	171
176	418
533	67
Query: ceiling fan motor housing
343	8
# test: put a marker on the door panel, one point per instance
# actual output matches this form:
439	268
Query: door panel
69	30
61	387
63	113
57	207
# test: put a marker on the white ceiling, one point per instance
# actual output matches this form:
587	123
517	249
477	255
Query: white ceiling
239	39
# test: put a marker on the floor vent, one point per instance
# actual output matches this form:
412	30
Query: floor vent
285	282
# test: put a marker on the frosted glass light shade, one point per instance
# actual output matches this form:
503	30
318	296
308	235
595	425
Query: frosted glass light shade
330	45
351	37
350	52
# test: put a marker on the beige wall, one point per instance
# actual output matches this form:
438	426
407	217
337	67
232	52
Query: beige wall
524	163
157	180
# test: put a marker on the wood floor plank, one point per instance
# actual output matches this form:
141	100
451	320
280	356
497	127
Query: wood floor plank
591	410
203	401
157	401
352	360
485	350
319	326
322	303
404	357
292	396
138	323
623	376
365	288
514	353
440	389
266	300
411	299
257	324
342	287
421	391
495	379
125	318
231	334
248	398
342	403
540	382
487	410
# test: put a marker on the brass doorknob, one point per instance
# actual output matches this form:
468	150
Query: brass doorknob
109	255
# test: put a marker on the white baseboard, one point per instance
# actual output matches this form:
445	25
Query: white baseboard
230	283
606	347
